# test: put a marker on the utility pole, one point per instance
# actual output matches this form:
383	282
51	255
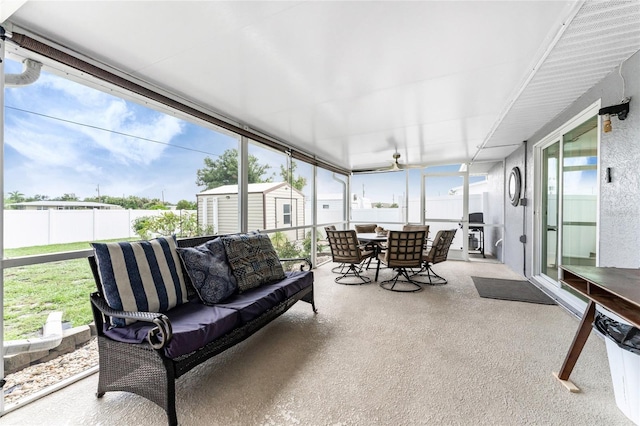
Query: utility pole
98	190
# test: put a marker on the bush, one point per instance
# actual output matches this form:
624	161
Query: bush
141	225
284	247
169	223
186	205
306	244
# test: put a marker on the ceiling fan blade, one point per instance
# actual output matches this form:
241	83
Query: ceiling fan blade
394	167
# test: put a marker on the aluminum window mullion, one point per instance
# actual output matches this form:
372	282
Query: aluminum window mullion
243	185
2	52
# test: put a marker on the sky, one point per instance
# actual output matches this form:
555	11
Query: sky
56	143
62	137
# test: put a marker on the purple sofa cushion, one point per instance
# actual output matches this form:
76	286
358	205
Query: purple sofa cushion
194	325
294	282
252	303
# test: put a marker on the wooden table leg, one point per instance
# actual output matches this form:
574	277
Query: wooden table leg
578	343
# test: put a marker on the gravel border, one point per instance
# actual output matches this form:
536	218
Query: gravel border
39	376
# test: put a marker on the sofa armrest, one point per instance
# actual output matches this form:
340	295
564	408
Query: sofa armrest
306	261
158	337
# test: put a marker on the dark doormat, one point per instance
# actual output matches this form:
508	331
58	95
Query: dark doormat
517	290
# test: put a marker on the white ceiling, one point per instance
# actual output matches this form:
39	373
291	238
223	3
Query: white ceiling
353	81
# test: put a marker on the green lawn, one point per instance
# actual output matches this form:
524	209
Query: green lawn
53	248
32	292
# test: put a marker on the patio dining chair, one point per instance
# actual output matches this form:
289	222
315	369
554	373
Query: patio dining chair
345	249
436	253
404	253
340	268
370	228
425	228
365	228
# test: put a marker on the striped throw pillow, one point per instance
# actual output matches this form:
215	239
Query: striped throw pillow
143	276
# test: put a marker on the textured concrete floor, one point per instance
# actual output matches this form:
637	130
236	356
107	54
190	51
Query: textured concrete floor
373	357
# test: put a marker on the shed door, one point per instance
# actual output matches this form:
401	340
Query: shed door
286	212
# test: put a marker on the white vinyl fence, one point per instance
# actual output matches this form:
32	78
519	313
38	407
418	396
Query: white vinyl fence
24	228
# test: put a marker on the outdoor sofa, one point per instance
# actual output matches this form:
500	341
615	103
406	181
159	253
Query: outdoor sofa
165	306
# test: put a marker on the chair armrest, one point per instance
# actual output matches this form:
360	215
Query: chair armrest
158	337
298	259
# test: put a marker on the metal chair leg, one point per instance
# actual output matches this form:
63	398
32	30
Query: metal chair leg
391	284
352	272
434	279
338	269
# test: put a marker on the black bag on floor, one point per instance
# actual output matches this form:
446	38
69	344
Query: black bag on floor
626	336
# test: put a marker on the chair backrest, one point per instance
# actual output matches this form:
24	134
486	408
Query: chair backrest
366	228
344	246
404	249
440	248
424	228
329	228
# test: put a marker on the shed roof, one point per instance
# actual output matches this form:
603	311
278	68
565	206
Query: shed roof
252	188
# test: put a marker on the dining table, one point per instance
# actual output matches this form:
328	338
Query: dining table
376	241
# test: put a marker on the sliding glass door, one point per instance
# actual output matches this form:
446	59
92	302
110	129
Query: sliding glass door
568	183
580	195
550	174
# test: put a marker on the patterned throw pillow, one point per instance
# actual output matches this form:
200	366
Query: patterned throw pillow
209	270
253	260
143	276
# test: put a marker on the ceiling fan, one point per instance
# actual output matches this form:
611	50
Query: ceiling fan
395	166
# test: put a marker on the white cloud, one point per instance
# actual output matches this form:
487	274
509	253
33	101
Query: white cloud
81	106
118	117
72	91
53	157
51	149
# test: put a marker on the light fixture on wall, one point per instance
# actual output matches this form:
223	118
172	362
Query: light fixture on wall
620	110
606	123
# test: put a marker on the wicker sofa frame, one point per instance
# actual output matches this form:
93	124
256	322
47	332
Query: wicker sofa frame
143	368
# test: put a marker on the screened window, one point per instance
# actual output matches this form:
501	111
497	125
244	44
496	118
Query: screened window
286	214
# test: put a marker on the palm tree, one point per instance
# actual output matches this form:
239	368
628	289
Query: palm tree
16	196
279	239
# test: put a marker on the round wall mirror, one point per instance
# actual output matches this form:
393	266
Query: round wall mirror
514	186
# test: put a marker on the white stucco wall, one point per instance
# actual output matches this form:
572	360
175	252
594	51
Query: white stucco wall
619	209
